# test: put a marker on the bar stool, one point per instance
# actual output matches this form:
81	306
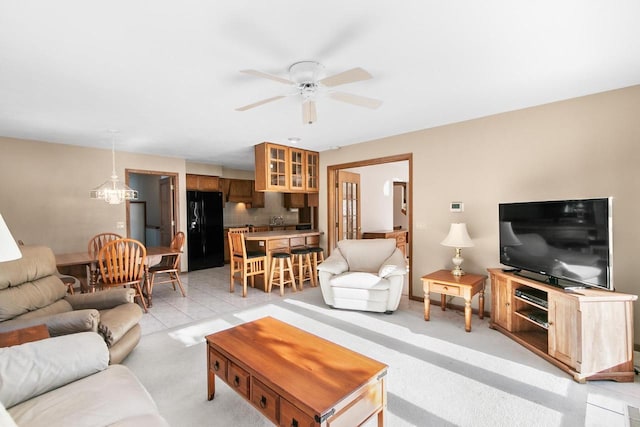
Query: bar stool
317	257
278	260
302	261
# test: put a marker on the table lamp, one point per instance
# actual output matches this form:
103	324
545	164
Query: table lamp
9	249
458	238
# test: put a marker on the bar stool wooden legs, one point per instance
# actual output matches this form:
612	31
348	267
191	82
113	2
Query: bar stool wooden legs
279	272
302	262
317	257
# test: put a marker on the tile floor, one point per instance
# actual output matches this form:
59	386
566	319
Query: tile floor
207	296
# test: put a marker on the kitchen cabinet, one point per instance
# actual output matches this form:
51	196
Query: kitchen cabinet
202	183
300	200
313	171
240	191
286	169
272	167
257	197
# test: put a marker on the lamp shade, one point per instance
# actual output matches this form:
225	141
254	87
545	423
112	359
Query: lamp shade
9	249
458	236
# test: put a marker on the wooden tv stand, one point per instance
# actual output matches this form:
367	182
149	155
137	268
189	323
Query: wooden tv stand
588	333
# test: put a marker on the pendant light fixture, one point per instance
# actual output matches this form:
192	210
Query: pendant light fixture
113	191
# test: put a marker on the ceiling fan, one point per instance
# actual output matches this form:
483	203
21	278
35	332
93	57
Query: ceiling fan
308	80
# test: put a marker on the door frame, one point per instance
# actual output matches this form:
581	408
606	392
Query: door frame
332	195
176	195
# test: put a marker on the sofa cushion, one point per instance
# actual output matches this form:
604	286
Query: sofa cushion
30	296
366	255
36	262
34	368
359	280
108	397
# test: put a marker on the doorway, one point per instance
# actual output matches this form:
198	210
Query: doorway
158	191
336	205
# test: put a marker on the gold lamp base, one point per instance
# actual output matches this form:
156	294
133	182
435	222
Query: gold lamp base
457	262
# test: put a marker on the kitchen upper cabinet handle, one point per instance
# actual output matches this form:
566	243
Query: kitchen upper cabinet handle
236	381
216	366
294	422
263	402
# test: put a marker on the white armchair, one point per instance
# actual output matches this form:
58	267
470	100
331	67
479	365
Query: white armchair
364	275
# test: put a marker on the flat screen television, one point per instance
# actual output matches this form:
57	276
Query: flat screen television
564	242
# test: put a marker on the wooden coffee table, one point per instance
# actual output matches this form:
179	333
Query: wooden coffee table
295	378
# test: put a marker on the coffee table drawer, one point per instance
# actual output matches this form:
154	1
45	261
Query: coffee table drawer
265	399
291	416
218	363
238	379
440	288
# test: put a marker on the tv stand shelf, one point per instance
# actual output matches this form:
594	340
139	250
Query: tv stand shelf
587	333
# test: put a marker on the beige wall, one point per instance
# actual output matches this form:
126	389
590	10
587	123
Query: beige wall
44	197
584	147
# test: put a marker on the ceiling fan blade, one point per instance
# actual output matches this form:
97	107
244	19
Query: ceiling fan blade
354	75
309	115
267	76
361	101
257	104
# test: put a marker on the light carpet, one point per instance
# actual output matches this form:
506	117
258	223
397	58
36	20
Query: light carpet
438	375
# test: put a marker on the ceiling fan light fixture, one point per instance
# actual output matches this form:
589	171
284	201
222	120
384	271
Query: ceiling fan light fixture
309	115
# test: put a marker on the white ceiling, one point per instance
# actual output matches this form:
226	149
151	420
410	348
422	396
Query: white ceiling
166	73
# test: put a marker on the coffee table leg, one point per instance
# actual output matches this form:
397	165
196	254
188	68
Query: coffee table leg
481	304
211	385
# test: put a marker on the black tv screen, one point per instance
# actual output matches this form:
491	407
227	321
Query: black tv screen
567	241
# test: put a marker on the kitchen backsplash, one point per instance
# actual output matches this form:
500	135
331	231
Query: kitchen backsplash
238	214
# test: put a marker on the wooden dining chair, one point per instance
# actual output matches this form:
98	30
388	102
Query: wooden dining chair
95	244
122	262
244	264
99	240
235	264
169	265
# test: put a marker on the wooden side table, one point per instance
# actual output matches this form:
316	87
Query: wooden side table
25	335
445	283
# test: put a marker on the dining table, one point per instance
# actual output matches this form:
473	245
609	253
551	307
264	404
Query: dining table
74	259
280	241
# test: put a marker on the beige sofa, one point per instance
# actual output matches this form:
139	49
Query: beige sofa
67	381
364	275
31	293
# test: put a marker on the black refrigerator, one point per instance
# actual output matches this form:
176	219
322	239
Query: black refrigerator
205	239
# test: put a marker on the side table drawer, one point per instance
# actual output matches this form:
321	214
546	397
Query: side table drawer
440	288
291	416
238	379
266	400
218	363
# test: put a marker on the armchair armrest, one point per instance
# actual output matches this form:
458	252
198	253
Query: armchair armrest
31	369
101	300
334	264
395	265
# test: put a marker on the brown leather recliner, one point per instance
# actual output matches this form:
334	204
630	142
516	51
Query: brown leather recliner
31	293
